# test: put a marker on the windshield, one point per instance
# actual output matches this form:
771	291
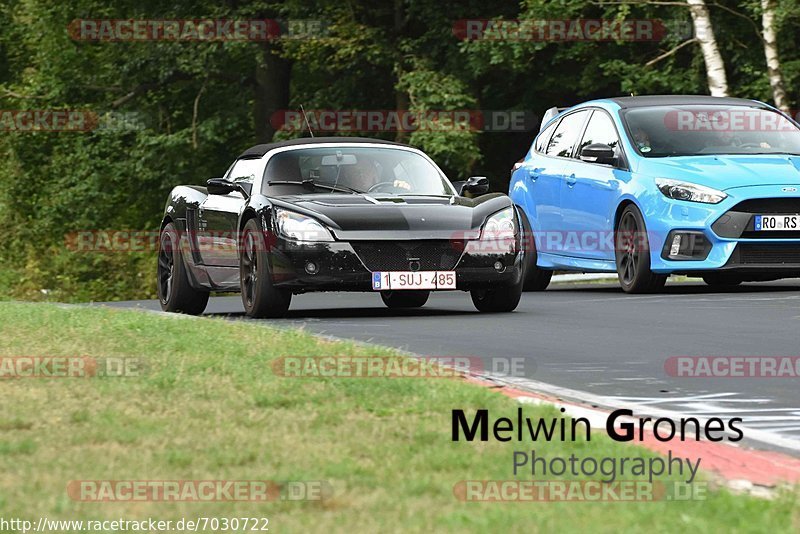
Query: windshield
343	169
706	130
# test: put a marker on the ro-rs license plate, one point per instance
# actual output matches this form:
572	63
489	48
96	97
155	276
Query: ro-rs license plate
773	223
395	280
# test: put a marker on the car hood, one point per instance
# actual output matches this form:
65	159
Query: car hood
726	172
388	213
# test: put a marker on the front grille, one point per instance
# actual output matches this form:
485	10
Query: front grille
738	222
769	254
409	255
768	206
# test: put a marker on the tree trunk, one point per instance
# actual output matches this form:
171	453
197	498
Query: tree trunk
771	52
401	102
273	75
704	31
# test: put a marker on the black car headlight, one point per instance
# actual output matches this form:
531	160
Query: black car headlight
678	190
300	227
499	226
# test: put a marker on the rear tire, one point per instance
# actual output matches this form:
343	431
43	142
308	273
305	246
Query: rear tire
632	251
722	280
261	299
535	279
405	299
175	293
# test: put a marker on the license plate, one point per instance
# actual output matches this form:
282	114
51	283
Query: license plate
777	223
396	280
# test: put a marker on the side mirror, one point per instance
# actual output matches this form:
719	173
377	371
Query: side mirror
598	153
475	185
220	186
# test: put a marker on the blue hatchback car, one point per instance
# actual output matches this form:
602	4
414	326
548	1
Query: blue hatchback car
656	185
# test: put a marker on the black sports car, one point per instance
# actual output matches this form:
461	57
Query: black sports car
337	214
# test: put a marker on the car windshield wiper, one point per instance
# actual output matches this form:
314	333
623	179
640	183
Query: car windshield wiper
313	184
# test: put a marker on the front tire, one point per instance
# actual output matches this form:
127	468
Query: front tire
405	299
632	253
175	293
536	279
260	297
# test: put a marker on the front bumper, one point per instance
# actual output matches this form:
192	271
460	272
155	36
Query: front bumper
728	237
348	265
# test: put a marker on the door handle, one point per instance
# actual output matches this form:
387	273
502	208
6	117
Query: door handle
571	180
533	174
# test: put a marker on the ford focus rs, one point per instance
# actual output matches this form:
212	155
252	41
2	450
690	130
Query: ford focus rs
337	214
651	186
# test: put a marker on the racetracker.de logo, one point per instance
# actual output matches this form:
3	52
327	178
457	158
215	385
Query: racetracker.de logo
560	30
116	30
576	491
733	366
728	120
197	490
384	120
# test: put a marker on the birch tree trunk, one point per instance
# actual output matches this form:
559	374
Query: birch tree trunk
771	52
704	31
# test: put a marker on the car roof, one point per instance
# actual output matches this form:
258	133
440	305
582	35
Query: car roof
259	150
682	100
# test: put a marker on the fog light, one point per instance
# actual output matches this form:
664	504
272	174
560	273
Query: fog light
311	267
499	267
676	245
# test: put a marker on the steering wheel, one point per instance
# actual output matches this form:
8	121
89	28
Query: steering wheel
385	187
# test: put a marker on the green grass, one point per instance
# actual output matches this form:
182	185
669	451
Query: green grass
208	406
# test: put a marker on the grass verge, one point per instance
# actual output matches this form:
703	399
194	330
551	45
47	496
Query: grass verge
208	406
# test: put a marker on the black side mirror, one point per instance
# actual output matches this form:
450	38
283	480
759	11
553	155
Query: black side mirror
598	153
220	186
475	185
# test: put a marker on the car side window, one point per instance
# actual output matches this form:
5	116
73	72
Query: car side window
245	170
566	134
600	130
544	137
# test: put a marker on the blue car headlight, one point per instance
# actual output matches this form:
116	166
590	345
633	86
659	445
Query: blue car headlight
678	190
300	228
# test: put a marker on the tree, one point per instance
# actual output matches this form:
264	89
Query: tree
704	32
774	70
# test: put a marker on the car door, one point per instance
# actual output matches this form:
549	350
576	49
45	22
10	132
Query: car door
546	176
589	192
218	217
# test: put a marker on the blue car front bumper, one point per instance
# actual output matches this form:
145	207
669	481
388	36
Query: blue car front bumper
728	239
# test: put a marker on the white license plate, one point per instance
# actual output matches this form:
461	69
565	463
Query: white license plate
396	280
775	223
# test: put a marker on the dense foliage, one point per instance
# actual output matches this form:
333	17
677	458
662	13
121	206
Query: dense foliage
176	112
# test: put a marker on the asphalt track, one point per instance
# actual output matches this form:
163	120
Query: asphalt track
594	339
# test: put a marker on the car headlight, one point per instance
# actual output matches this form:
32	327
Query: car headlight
501	225
300	228
678	190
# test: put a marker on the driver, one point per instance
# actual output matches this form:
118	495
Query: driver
364	175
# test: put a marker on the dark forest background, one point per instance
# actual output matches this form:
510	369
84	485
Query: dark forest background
178	112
